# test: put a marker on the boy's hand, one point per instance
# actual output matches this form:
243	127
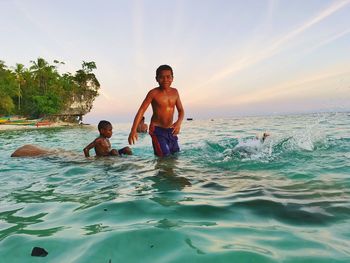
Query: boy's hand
176	128
133	137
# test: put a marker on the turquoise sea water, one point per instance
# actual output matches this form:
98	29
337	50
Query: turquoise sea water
222	199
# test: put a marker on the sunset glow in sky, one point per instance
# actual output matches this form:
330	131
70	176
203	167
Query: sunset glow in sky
229	57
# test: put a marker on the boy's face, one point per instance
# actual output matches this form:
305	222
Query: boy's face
165	78
107	131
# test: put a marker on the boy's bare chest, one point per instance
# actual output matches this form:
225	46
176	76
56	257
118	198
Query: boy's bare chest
165	99
103	142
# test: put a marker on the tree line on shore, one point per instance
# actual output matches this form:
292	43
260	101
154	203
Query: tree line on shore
41	90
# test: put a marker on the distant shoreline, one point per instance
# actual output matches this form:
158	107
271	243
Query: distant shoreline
6	127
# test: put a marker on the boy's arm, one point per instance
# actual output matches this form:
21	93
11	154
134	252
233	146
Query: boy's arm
146	102
88	148
181	113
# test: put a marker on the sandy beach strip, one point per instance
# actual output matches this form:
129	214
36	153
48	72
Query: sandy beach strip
5	127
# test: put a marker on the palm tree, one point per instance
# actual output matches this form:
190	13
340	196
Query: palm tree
19	70
42	72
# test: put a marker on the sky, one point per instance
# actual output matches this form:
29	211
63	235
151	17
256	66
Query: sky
230	57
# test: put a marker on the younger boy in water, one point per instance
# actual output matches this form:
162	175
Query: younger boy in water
102	144
163	99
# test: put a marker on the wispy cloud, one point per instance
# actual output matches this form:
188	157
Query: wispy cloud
329	40
303	85
276	46
37	24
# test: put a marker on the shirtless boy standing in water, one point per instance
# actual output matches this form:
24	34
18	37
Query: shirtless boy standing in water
162	129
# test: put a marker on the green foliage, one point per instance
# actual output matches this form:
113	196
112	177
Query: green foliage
47	104
6	104
7	89
40	89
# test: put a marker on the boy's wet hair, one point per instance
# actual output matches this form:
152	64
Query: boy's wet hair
103	125
164	67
